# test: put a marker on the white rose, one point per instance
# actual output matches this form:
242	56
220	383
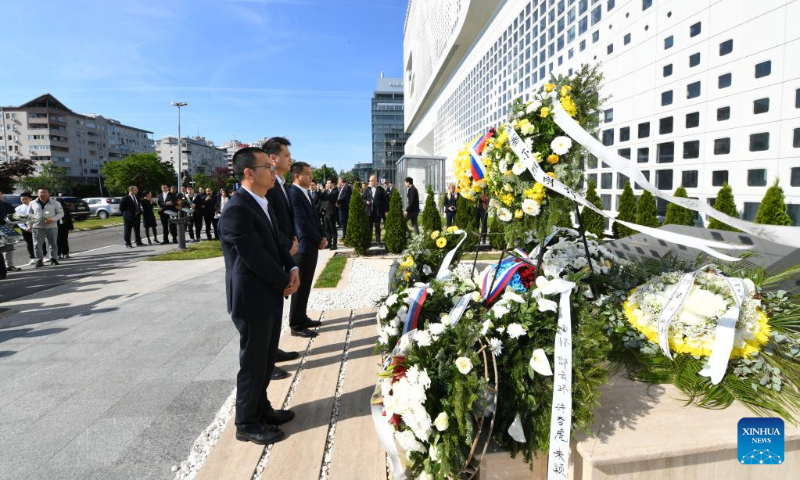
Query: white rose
561	145
442	421
476	296
531	207
504	214
464	365
446	320
515	330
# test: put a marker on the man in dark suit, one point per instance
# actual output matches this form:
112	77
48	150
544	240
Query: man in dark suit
131	210
258	275
311	239
327	202
189	202
196	224
277	148
375	198
412	208
343	204
166	203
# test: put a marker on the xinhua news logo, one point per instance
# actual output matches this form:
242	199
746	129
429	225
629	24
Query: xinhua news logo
760	441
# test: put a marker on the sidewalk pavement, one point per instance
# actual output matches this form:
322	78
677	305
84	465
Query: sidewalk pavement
116	374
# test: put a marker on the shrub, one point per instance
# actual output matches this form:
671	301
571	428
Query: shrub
396	230
677	215
593	222
465	219
431	220
727	205
773	207
626	211
646	210
359	234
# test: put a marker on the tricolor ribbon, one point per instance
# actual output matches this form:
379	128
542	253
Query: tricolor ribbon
415	308
501	276
476	156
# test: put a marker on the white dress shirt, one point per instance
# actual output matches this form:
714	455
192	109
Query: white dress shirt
262	202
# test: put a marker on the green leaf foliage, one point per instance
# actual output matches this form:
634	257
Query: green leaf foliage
396	230
359	235
465	219
677	215
497	238
593	222
773	207
52	177
431	219
646	210
626	212
725	204
145	170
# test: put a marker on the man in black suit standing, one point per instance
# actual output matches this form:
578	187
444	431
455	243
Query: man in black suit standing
277	148
311	239
196	224
343	204
131	210
412	208
166	203
258	275
375	198
327	202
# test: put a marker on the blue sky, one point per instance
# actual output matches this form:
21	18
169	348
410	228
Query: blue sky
304	69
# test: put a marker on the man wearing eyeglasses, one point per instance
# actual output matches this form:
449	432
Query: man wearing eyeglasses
259	274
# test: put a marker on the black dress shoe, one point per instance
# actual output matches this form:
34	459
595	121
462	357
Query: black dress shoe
278	417
39	264
128	246
313	323
140	244
53	261
260	434
286	356
279	374
304	332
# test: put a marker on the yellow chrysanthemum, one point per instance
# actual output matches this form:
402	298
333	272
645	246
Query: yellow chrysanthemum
553	175
507	198
565	90
518	214
441	242
537	192
569	106
544	112
548	87
435	235
452	229
502	138
552	159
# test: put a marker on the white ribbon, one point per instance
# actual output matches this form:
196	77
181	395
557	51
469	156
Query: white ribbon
561	408
459	308
386	437
784	235
524	153
444	270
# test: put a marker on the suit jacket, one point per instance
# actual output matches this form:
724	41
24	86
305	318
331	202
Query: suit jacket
6	209
209	203
255	266
66	221
162	204
284	214
379	203
128	208
327	202
306	222
343	201
412	195
195	202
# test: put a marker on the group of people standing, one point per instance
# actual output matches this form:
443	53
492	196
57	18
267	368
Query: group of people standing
45	224
481	215
332	203
376	198
205	208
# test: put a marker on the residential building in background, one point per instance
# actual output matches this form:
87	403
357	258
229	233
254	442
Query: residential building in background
199	155
388	131
45	130
231	148
701	92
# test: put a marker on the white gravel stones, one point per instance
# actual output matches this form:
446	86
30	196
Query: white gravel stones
365	286
205	442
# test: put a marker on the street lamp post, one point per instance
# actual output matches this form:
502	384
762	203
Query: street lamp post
180	164
5	136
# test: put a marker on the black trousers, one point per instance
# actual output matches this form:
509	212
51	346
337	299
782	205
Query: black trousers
197	224
28	237
209	222
135	225
412	217
307	263
451	217
258	346
168	228
376	221
330	229
62	243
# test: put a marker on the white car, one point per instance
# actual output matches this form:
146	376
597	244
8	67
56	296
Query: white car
103	207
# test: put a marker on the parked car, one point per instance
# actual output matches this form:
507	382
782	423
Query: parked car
13	200
103	207
77	207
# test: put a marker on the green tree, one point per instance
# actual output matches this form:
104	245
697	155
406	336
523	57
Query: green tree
593	222
359	235
144	170
497	238
465	220
677	215
230	183
431	220
726	204
52	177
12	171
350	177
203	180
324	173
773	207
646	210
396	230
626	211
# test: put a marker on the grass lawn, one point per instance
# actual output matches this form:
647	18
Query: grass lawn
194	251
94	223
332	273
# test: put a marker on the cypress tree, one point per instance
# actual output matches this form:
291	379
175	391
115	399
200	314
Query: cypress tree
396	231
359	235
646	210
677	215
431	220
773	207
725	204
465	220
593	222
497	238
626	211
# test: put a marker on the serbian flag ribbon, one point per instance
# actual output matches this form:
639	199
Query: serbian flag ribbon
503	277
414	309
476	153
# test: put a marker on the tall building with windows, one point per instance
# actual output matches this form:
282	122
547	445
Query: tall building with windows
703	92
388	133
46	130
198	154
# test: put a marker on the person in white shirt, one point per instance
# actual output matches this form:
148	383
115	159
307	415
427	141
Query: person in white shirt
45	214
27	233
